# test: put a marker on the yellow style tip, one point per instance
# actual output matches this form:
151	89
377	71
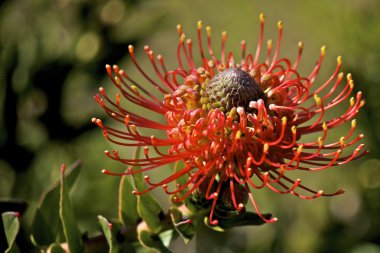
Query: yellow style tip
279	24
323	50
199	24
262	17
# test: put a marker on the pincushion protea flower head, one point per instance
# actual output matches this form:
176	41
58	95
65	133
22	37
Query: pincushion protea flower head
236	123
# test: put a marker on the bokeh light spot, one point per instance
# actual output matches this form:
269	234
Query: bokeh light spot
346	206
88	46
368	173
112	12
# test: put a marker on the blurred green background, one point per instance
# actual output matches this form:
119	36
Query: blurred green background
52	57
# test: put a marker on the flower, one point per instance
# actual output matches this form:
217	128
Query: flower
236	123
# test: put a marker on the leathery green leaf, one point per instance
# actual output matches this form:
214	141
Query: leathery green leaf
55	248
127	210
11	229
183	226
46	222
147	206
149	240
107	231
66	213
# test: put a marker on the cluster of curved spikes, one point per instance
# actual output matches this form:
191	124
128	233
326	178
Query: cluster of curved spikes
251	145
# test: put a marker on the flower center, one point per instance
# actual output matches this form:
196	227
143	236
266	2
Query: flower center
230	88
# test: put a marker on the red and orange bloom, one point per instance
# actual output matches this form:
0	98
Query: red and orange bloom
236	123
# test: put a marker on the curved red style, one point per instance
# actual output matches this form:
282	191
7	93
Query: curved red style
251	145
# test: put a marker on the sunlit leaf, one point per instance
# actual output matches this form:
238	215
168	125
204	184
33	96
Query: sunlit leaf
11	228
166	237
46	223
55	248
213	227
107	231
150	241
69	223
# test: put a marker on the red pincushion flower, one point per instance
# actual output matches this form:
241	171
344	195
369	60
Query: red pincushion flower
235	122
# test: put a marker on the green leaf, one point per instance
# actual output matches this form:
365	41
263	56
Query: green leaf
166	237
46	224
177	167
66	213
150	211
213	227
107	231
147	206
42	231
11	228
184	227
127	203
244	219
55	248
149	241
46	219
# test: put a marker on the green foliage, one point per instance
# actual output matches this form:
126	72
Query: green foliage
184	227
107	231
11	228
237	220
150	241
46	225
141	221
56	248
147	207
66	214
128	214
